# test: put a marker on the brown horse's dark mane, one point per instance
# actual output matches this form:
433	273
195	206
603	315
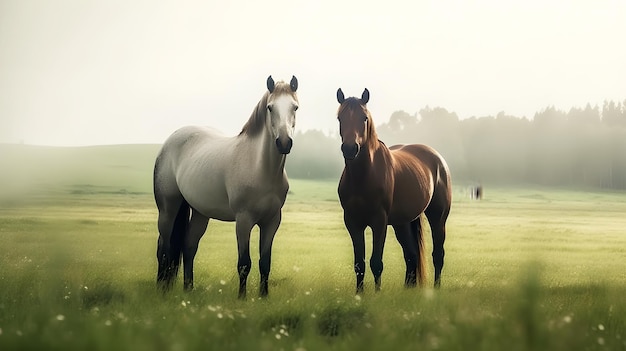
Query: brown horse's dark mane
351	104
256	122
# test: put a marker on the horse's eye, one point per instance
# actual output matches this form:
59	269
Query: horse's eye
269	107
295	108
365	118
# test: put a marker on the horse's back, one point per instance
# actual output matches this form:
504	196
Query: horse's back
424	156
179	146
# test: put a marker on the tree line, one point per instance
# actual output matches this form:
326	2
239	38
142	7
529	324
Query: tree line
581	147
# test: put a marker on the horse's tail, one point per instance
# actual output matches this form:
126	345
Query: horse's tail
421	260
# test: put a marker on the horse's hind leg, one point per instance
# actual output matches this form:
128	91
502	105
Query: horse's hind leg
410	238
197	226
437	214
172	223
409	248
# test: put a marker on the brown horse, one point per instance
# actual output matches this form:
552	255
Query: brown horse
383	186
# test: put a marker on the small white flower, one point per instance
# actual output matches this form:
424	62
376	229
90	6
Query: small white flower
601	341
60	317
278	336
223	282
357	297
184	304
600	327
220	315
567	319
108	323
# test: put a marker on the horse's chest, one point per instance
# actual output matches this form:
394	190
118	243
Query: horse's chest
364	204
259	199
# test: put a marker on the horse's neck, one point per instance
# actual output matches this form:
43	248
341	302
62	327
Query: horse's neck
268	159
362	165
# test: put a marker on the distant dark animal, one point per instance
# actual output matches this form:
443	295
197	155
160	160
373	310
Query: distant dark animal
479	192
476	193
383	186
201	174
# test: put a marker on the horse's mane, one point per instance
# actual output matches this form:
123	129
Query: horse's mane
256	122
353	103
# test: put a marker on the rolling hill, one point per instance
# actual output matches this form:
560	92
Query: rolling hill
27	169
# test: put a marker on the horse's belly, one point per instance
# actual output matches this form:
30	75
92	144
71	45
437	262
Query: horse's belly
210	201
407	207
221	213
405	216
412	193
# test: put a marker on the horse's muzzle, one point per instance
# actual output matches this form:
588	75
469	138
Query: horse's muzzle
350	151
284	147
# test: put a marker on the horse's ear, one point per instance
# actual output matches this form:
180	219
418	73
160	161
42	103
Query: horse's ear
365	97
270	84
294	83
340	97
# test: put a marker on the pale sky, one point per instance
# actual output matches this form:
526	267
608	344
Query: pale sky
84	72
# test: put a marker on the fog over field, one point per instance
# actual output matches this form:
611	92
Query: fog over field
108	72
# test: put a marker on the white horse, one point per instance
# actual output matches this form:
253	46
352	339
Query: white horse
200	174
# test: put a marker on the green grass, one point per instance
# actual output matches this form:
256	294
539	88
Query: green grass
526	269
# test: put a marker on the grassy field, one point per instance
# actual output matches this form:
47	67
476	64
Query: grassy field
526	269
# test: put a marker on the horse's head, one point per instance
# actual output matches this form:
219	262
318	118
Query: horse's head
354	123
282	104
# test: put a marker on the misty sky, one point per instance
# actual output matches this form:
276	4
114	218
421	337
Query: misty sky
80	72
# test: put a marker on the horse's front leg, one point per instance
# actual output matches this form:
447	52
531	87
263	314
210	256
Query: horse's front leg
379	233
195	231
243	227
267	231
357	234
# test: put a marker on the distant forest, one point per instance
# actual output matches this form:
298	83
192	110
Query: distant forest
581	147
